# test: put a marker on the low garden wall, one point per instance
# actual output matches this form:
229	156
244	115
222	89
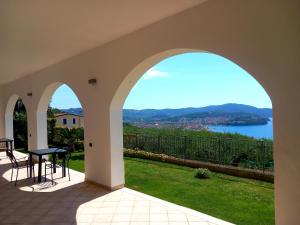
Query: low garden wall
226	169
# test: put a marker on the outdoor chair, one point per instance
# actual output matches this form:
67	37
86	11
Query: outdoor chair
49	165
18	164
3	147
59	163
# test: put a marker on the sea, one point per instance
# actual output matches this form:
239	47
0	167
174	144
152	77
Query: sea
256	131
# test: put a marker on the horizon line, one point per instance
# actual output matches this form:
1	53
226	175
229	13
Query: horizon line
180	107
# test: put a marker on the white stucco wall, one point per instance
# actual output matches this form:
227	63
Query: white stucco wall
260	36
2	114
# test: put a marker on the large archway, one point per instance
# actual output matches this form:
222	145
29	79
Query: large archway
123	91
118	100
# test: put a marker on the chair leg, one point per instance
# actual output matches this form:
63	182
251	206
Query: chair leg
69	173
52	175
27	169
45	173
68	170
33	173
12	172
17	177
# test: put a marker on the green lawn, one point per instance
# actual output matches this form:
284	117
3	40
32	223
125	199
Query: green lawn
237	200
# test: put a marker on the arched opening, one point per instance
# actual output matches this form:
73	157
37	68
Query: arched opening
61	121
16	122
20	126
214	148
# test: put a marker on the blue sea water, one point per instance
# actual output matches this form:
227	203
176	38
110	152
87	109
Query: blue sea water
256	131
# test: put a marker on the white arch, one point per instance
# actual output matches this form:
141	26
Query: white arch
135	74
9	116
41	113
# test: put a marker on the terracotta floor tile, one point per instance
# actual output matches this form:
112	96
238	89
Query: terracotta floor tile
76	202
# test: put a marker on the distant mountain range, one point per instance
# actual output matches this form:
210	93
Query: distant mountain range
194	118
75	111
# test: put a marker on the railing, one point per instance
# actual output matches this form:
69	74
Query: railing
254	154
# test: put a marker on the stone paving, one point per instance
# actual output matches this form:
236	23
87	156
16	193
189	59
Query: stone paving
77	202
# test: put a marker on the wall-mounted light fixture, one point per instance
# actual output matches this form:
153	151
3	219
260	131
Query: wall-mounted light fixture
29	94
92	81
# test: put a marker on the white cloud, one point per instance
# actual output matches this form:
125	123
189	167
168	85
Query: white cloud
154	73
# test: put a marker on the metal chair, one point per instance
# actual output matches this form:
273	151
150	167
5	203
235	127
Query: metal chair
18	164
67	162
49	165
6	145
59	163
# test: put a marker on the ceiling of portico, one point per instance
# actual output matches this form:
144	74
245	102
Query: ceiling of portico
35	34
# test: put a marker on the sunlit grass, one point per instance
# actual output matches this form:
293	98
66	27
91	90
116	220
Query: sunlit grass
237	200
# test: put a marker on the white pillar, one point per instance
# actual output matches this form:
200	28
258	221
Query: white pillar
103	150
41	128
9	116
32	129
9	126
287	158
116	143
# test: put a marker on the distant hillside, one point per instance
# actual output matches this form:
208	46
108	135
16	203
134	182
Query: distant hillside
131	115
194	118
76	111
219	118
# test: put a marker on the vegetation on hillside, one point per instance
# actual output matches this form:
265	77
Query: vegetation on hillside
199	118
204	145
132	129
219	148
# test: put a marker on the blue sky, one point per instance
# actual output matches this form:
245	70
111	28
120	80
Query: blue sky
64	98
186	80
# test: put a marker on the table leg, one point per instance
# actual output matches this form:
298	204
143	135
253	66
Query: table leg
64	166
54	162
30	165
7	147
40	169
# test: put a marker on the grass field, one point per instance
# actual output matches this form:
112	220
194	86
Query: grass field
237	200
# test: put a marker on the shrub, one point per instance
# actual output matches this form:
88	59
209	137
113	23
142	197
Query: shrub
79	145
144	155
202	173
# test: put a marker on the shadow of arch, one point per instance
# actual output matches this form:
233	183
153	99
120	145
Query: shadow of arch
59	206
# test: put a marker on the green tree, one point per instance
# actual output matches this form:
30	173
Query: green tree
66	137
20	125
51	121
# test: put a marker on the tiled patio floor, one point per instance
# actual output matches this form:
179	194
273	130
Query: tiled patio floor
78	202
